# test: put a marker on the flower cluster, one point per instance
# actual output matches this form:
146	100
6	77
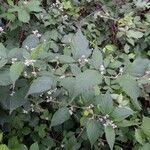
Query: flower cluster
29	62
1	29
13	60
36	32
82	60
102	69
57	5
107	122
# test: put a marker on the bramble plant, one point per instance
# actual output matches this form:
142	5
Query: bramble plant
74	74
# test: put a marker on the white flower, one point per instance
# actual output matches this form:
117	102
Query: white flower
1	29
25	2
49	92
121	70
12	93
13	60
29	62
25	111
25	74
35	32
34	73
70	112
62	77
102	68
38	35
27	47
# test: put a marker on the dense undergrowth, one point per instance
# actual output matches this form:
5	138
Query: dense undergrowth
74	74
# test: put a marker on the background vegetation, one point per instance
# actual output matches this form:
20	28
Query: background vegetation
74	74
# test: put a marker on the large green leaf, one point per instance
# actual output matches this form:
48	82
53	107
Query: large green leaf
3	55
94	131
16	70
34	5
23	15
60	116
34	146
15	101
105	103
120	113
30	42
41	84
80	46
146	126
138	67
3	147
5	77
97	59
110	136
131	88
134	34
87	80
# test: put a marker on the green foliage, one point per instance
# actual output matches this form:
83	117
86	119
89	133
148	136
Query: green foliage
74	74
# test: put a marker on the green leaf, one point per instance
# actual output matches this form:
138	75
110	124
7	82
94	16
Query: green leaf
3	55
3	147
23	15
5	77
34	146
138	67
15	71
80	46
139	136
41	84
131	88
36	51
146	146
31	42
60	116
87	80
134	34
13	102
34	5
120	113
94	131
65	59
110	136
97	59
105	103
146	126
68	84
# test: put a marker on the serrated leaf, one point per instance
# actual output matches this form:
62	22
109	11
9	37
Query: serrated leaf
36	51
34	5
146	126
13	102
66	59
120	113
97	59
94	131
131	88
139	136
5	77
3	147
3	55
105	103
60	116
110	136
34	146
138	67
68	84
80	46
134	34
41	84
31	41
23	15
15	71
92	76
